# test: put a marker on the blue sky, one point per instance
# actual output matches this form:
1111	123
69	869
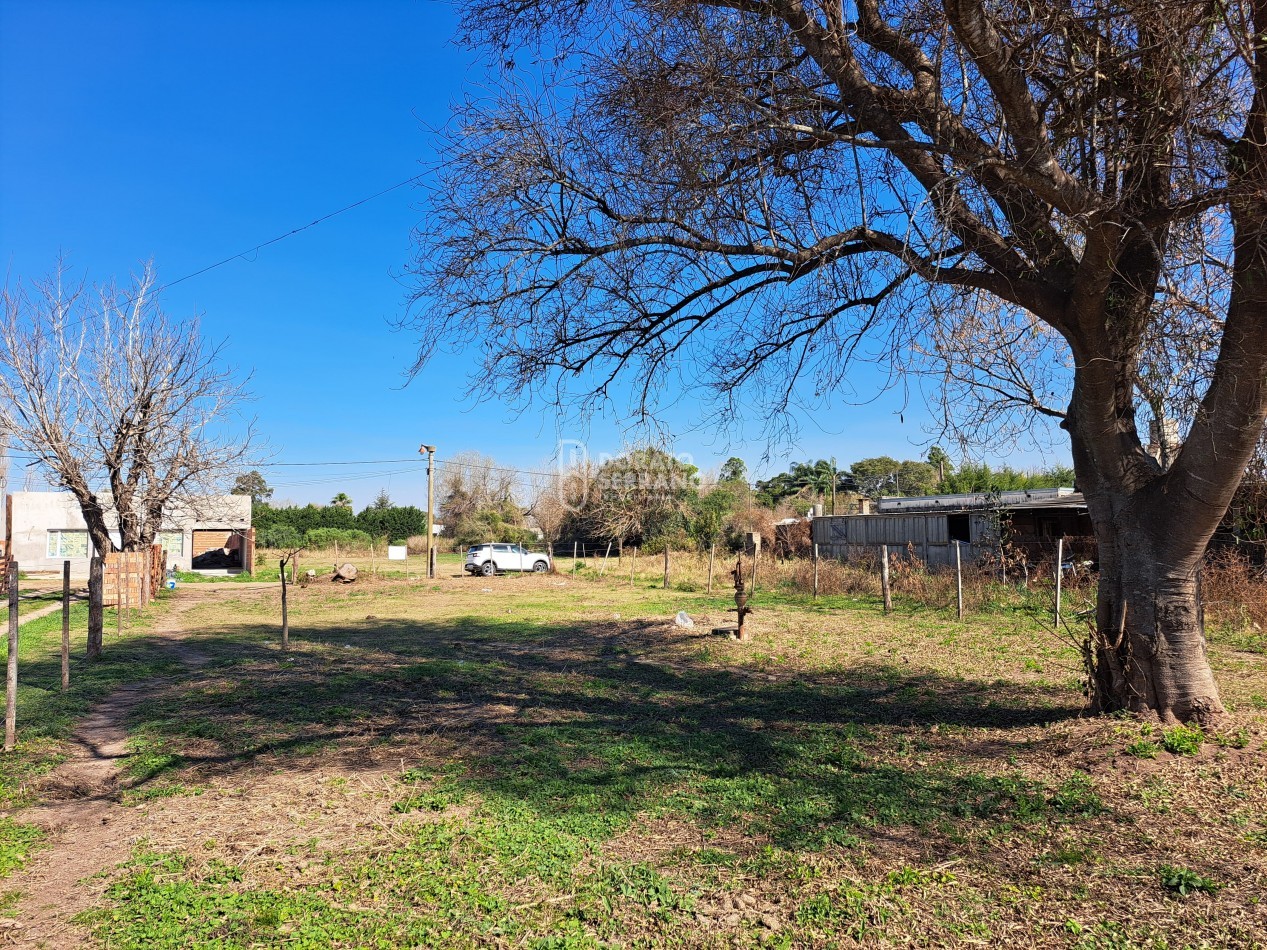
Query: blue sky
187	132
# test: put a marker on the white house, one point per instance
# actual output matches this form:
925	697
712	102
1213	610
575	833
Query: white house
43	529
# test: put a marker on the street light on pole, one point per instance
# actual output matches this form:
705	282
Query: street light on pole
430	452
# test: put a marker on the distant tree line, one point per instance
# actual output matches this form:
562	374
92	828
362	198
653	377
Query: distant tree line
649	498
645	497
321	526
806	483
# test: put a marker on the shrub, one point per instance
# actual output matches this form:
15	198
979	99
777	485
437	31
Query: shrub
321	538
279	536
302	519
417	544
394	522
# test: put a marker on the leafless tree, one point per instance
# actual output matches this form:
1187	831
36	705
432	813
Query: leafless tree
125	407
471	482
753	195
559	498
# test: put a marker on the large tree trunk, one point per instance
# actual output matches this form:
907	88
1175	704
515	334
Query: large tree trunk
1148	652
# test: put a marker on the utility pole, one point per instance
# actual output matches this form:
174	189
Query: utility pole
430	452
833	484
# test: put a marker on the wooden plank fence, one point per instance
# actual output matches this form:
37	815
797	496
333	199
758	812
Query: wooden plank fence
126	581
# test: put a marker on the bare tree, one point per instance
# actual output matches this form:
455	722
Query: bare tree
125	407
470	482
559	498
753	195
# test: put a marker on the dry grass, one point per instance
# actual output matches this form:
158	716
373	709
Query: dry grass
1236	592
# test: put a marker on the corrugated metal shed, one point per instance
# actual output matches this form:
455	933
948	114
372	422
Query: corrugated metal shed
973	500
929	530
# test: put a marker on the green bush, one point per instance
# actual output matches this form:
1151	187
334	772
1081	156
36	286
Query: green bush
279	536
322	538
396	522
302	519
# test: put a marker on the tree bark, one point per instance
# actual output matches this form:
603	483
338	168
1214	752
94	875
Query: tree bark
1149	655
96	612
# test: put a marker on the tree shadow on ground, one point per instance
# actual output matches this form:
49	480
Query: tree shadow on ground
575	725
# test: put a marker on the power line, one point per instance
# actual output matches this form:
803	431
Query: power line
291	233
258	247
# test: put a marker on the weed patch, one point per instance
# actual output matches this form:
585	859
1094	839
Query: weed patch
1183	740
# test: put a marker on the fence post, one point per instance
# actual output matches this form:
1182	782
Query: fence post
605	557
574	559
959	579
816	572
1060	573
633	561
884	578
756	556
281	570
11	679
431	562
712	551
96	612
666	565
65	625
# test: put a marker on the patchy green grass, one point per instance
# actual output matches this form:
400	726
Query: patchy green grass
17	841
46	714
548	762
1183	740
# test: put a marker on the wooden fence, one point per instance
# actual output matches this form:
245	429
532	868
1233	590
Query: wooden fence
127	580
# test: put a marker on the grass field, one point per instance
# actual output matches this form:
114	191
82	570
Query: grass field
547	761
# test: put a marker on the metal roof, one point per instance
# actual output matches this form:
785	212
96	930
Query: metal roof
976	501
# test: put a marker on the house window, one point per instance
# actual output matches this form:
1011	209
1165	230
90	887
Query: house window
173	542
65	543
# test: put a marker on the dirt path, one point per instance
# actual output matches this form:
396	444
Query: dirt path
90	831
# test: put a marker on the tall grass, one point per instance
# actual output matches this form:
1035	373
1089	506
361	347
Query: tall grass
912	583
1234	591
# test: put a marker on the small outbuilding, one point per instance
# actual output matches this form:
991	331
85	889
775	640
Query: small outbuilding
929	525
